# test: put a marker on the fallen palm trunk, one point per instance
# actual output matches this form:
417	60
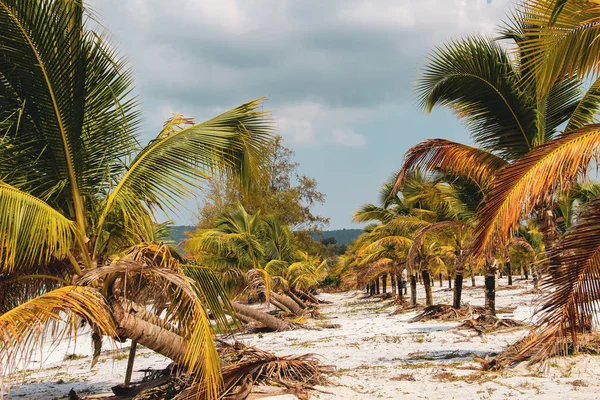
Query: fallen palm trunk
154	337
288	302
141	312
299	301
268	320
308	297
280	306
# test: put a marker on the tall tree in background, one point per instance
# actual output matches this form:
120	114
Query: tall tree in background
283	192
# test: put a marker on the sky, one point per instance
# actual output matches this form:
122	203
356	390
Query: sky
339	76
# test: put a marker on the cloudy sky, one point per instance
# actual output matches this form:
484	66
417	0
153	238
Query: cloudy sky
339	75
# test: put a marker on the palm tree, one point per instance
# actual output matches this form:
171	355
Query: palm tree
77	189
477	79
256	255
563	45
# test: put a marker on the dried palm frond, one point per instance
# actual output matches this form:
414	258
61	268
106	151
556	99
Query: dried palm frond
573	298
442	312
457	159
264	367
487	324
532	182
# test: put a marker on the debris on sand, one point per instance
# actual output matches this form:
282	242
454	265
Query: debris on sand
487	324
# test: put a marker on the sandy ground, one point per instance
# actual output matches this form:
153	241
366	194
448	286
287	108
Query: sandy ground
377	356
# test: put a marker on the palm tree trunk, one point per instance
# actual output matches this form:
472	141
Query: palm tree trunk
268	320
154	337
413	289
449	282
509	273
393	282
458	282
298	301
472	278
546	221
427	284
490	287
377	286
441	279
288	302
280	306
305	296
384	284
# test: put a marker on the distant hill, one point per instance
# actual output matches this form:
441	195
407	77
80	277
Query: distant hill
178	232
341	236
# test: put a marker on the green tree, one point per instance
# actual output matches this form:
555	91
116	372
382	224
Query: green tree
283	192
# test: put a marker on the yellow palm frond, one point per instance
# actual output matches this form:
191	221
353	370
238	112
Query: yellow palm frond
457	159
531	182
22	327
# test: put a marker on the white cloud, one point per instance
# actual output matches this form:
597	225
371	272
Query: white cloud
347	137
378	14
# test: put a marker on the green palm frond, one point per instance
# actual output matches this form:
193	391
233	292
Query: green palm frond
167	170
561	39
587	109
212	294
371	212
31	232
477	80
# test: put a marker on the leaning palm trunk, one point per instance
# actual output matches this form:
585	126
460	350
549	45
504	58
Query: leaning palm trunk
280	306
154	337
305	296
268	320
288	303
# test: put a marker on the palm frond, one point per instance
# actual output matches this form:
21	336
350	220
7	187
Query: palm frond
167	170
561	39
22	327
31	232
452	158
476	79
371	212
419	236
532	182
572	299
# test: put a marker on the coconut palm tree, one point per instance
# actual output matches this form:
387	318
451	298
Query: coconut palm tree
478	80
563	44
77	188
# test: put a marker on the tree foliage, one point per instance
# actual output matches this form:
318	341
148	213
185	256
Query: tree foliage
282	192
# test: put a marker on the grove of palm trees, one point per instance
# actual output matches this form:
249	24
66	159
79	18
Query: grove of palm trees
476	273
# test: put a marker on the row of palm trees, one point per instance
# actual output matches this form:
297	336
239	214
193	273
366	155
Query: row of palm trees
529	99
258	256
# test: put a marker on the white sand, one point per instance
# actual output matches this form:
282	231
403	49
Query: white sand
377	356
